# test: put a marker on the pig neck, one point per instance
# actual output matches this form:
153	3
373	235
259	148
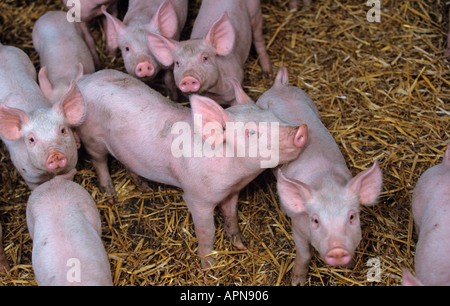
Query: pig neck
223	92
229	171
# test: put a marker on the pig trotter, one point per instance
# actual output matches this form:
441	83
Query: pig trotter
139	181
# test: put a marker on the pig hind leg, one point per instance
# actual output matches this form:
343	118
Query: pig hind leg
260	44
231	226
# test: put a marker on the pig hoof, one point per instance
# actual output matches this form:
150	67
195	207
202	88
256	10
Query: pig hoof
207	261
4	267
138	181
237	242
298	280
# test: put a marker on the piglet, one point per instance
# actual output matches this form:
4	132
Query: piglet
84	11
38	136
62	50
166	18
431	210
293	4
4	266
217	50
197	149
64	223
317	190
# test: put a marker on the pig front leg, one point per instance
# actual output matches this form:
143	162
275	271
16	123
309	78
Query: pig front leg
203	217
231	226
90	43
99	158
4	266
302	259
447	51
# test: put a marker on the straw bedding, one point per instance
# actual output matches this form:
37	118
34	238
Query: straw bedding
382	90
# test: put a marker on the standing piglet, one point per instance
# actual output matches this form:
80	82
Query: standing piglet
191	148
4	266
62	50
38	136
64	223
431	210
166	18
317	190
217	50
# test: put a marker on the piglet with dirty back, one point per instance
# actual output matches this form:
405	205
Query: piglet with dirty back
170	137
166	18
64	55
431	210
64	223
317	190
38	136
217	50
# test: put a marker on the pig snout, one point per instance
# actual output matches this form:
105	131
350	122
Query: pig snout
189	84
55	161
338	257
144	69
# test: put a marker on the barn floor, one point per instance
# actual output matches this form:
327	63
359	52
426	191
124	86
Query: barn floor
383	91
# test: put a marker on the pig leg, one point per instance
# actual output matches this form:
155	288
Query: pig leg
293	4
203	217
307	3
90	43
447	51
139	181
302	259
231	226
260	44
171	86
4	266
99	158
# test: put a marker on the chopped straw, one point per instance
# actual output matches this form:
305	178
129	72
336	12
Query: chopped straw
382	90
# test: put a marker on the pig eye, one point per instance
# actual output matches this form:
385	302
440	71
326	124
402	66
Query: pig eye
205	59
352	217
63	131
177	64
315	221
31	140
127	49
251	132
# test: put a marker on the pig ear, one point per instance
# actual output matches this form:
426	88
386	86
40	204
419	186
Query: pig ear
367	184
80	72
11	122
113	27
166	19
282	77
296	193
241	96
409	280
44	83
211	113
72	105
161	48
221	35
446	160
